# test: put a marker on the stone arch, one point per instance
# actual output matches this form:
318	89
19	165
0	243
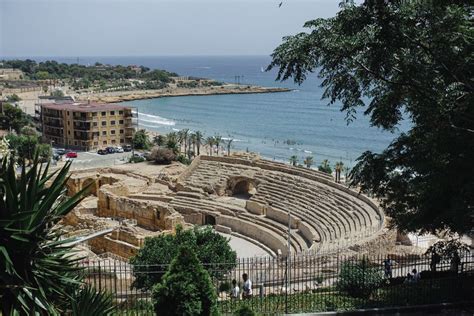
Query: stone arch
209	220
242	187
93	185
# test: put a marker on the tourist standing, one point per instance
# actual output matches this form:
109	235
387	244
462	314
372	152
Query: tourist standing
235	294
416	275
247	287
387	266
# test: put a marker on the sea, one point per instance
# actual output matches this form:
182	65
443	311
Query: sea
275	125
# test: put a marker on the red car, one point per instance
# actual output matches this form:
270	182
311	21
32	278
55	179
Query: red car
71	154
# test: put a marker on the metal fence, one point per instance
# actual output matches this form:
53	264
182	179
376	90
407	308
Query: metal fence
305	283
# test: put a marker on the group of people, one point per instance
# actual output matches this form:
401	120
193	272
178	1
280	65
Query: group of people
412	277
246	288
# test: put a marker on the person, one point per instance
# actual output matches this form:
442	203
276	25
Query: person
235	294
387	266
416	275
435	259
408	279
247	287
455	261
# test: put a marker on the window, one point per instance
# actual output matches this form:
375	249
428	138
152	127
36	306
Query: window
112	112
75	143
104	133
121	122
120	112
69	132
104	123
112	122
94	113
122	140
68	122
94	124
96	143
113	141
103	113
96	134
112	132
67	112
104	142
121	131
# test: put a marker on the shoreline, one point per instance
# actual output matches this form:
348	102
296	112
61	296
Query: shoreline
132	95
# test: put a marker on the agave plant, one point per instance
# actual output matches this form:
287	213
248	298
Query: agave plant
39	273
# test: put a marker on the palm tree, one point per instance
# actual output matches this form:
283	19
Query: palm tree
229	143
308	161
294	160
325	167
159	140
192	140
172	142
39	274
184	138
199	139
210	141
217	142
339	167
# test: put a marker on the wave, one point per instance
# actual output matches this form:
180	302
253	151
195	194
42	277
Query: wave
155	119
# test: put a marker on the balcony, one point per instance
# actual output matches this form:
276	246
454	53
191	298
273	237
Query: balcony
54	124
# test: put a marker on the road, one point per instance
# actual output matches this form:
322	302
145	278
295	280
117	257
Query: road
87	160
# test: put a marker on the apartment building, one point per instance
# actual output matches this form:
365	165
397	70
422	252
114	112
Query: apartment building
87	126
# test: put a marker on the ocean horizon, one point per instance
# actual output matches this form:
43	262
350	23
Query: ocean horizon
275	125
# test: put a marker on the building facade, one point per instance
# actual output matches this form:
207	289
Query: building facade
87	126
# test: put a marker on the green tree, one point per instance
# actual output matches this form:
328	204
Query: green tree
23	145
172	142
13	98
229	144
397	60
210	142
294	160
159	140
42	75
359	278
13	118
39	274
212	249
199	140
325	167
217	142
141	140
308	161
186	288
57	93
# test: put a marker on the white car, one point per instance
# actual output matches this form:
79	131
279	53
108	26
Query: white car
119	149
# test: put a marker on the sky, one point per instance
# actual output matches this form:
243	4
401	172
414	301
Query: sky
152	27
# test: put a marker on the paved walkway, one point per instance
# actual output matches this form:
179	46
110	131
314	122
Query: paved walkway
244	248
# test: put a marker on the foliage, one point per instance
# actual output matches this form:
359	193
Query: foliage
212	249
136	159
44	152
89	302
159	140
13	118
325	167
38	272
294	160
57	93
244	311
141	140
186	288
172	142
359	279
398	60
162	156
183	159
448	248
308	161
23	145
13	98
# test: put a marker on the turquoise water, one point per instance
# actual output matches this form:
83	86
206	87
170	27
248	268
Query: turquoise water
258	122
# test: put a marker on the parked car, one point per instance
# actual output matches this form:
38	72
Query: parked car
102	152
59	151
110	150
71	154
138	155
118	149
127	148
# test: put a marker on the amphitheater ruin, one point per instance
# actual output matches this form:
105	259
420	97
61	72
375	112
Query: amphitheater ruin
243	196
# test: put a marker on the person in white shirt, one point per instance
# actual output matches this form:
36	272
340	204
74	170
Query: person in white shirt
235	294
247	287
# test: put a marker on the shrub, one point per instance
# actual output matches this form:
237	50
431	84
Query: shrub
136	159
141	140
244	311
162	156
186	288
182	159
212	249
359	279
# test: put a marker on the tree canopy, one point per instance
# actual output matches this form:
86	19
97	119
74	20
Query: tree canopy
212	249
397	60
186	288
13	117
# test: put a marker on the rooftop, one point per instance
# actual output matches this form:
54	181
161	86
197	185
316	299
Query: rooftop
84	107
